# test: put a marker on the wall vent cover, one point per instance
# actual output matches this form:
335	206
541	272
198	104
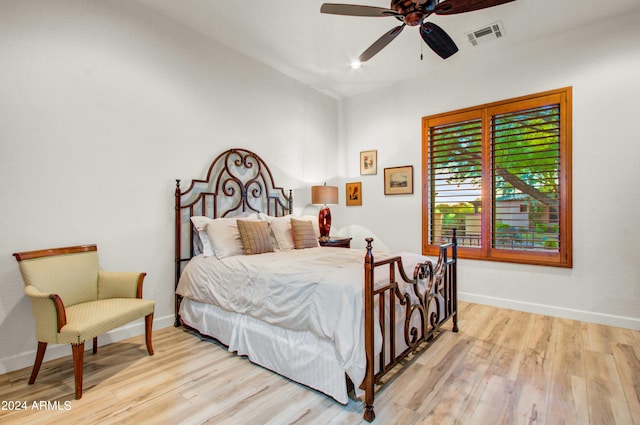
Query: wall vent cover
487	33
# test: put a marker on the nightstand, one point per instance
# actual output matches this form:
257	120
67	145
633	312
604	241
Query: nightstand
336	242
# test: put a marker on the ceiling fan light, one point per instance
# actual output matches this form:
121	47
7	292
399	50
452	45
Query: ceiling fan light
356	64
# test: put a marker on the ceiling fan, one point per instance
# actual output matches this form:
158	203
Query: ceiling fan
413	13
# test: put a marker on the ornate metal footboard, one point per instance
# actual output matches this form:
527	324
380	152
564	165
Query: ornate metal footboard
430	301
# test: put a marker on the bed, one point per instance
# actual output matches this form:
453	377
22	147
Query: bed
251	274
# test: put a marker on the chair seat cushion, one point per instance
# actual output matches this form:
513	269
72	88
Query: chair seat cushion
90	319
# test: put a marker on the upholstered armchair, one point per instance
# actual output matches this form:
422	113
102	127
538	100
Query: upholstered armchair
74	301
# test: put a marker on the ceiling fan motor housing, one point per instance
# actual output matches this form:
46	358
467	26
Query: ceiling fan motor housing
413	12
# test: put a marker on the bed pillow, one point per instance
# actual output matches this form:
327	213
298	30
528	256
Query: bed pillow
304	235
255	236
280	228
224	236
281	232
200	223
314	222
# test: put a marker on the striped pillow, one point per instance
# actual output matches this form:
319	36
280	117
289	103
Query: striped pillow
303	234
255	237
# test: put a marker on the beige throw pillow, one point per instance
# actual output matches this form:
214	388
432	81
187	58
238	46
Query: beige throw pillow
255	237
303	234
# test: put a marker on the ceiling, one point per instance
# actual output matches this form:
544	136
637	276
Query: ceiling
316	49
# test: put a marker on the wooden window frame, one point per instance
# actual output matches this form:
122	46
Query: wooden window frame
562	258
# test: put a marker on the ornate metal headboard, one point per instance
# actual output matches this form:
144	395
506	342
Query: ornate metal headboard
238	182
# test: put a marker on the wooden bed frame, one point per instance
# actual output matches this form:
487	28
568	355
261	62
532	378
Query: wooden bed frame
239	181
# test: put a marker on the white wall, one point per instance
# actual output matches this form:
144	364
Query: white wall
104	104
602	63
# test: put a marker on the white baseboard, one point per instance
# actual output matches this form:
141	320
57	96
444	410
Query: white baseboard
55	351
555	311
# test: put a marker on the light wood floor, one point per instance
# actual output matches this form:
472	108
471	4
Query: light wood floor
503	367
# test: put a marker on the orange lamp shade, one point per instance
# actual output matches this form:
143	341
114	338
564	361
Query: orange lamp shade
324	195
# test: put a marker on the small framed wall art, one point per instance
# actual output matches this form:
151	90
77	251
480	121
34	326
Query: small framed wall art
398	180
368	162
354	194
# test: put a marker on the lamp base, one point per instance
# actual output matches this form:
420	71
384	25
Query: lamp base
324	222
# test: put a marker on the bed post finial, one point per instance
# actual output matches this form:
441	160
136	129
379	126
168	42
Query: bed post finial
369	247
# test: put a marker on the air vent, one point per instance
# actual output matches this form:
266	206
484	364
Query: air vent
486	33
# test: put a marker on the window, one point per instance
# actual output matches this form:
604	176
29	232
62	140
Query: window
500	174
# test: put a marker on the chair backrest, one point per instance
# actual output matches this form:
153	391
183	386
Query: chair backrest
70	272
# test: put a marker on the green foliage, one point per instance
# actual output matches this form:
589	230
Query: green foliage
541	228
524	155
453	215
502	227
524	143
461	208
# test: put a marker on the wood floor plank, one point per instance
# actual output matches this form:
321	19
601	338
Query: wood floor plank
486	360
597	338
568	392
503	367
509	354
606	399
454	395
492	402
534	373
627	363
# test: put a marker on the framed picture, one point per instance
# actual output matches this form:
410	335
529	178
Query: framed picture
354	194
398	180
368	162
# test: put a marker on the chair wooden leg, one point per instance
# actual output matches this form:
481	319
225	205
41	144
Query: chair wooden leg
95	345
148	330
78	359
42	347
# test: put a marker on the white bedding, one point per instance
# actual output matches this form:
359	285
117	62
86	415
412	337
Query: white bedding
319	290
298	355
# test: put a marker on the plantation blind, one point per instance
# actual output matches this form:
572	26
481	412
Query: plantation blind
525	179
500	174
455	170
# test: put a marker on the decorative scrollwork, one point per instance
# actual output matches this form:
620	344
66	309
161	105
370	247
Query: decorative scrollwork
254	190
423	302
435	315
237	181
412	334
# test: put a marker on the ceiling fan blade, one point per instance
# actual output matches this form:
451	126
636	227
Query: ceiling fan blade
438	40
356	10
450	7
380	43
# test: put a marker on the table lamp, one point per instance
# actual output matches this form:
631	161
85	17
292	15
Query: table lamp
323	195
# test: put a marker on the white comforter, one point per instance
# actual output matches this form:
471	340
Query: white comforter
315	289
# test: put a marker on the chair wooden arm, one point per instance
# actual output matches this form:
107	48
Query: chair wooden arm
60	311
139	288
35	295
